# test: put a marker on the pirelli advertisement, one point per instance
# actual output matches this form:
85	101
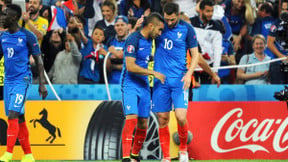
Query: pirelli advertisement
77	130
91	130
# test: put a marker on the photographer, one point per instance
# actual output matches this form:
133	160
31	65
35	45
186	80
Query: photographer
277	41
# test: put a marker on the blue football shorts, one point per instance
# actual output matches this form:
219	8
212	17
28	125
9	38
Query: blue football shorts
171	92
137	101
15	95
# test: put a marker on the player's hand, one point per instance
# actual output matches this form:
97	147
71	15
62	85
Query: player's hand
160	76
187	81
216	80
43	91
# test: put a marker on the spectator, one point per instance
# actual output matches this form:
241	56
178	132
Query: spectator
92	58
66	66
240	15
38	25
109	13
135	8
76	27
187	6
33	21
264	20
49	2
4	4
277	44
255	74
115	46
53	43
93	13
209	38
227	58
45	12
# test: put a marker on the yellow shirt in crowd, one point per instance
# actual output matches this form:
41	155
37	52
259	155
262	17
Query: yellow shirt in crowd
41	24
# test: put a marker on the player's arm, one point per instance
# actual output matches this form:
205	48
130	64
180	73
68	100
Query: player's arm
194	61
39	63
203	64
134	68
34	50
191	42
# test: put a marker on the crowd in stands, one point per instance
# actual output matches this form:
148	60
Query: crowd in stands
76	35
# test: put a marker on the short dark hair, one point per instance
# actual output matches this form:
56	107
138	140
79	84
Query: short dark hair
170	8
152	17
16	8
267	7
110	4
204	3
132	21
7	2
100	28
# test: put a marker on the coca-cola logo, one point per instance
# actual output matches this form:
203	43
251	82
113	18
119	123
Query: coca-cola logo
261	132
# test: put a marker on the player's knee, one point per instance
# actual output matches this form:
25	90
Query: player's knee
163	120
142	123
13	115
181	119
21	119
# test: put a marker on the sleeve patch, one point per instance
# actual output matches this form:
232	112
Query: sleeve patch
273	28
130	49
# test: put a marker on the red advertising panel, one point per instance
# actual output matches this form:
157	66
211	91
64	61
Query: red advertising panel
238	130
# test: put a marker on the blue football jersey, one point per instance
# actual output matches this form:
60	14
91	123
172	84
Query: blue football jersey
171	49
140	48
17	48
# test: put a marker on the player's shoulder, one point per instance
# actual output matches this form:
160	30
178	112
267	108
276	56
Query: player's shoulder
184	23
134	37
26	32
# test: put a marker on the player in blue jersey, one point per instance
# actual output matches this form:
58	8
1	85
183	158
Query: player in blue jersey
135	85
17	44
170	60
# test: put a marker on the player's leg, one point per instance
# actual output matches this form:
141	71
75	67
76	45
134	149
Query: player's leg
13	126
180	101
23	138
161	104
142	124
129	102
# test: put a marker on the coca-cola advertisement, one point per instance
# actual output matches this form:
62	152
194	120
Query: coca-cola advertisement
238	130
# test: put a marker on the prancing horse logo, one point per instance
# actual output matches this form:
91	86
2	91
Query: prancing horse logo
47	125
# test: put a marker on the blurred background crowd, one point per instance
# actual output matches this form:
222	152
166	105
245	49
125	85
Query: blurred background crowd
76	35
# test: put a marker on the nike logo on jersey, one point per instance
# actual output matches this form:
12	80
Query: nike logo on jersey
128	107
141	49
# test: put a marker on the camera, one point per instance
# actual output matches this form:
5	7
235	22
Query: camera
284	67
282	34
282	95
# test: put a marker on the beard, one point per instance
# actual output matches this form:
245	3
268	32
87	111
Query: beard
33	11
